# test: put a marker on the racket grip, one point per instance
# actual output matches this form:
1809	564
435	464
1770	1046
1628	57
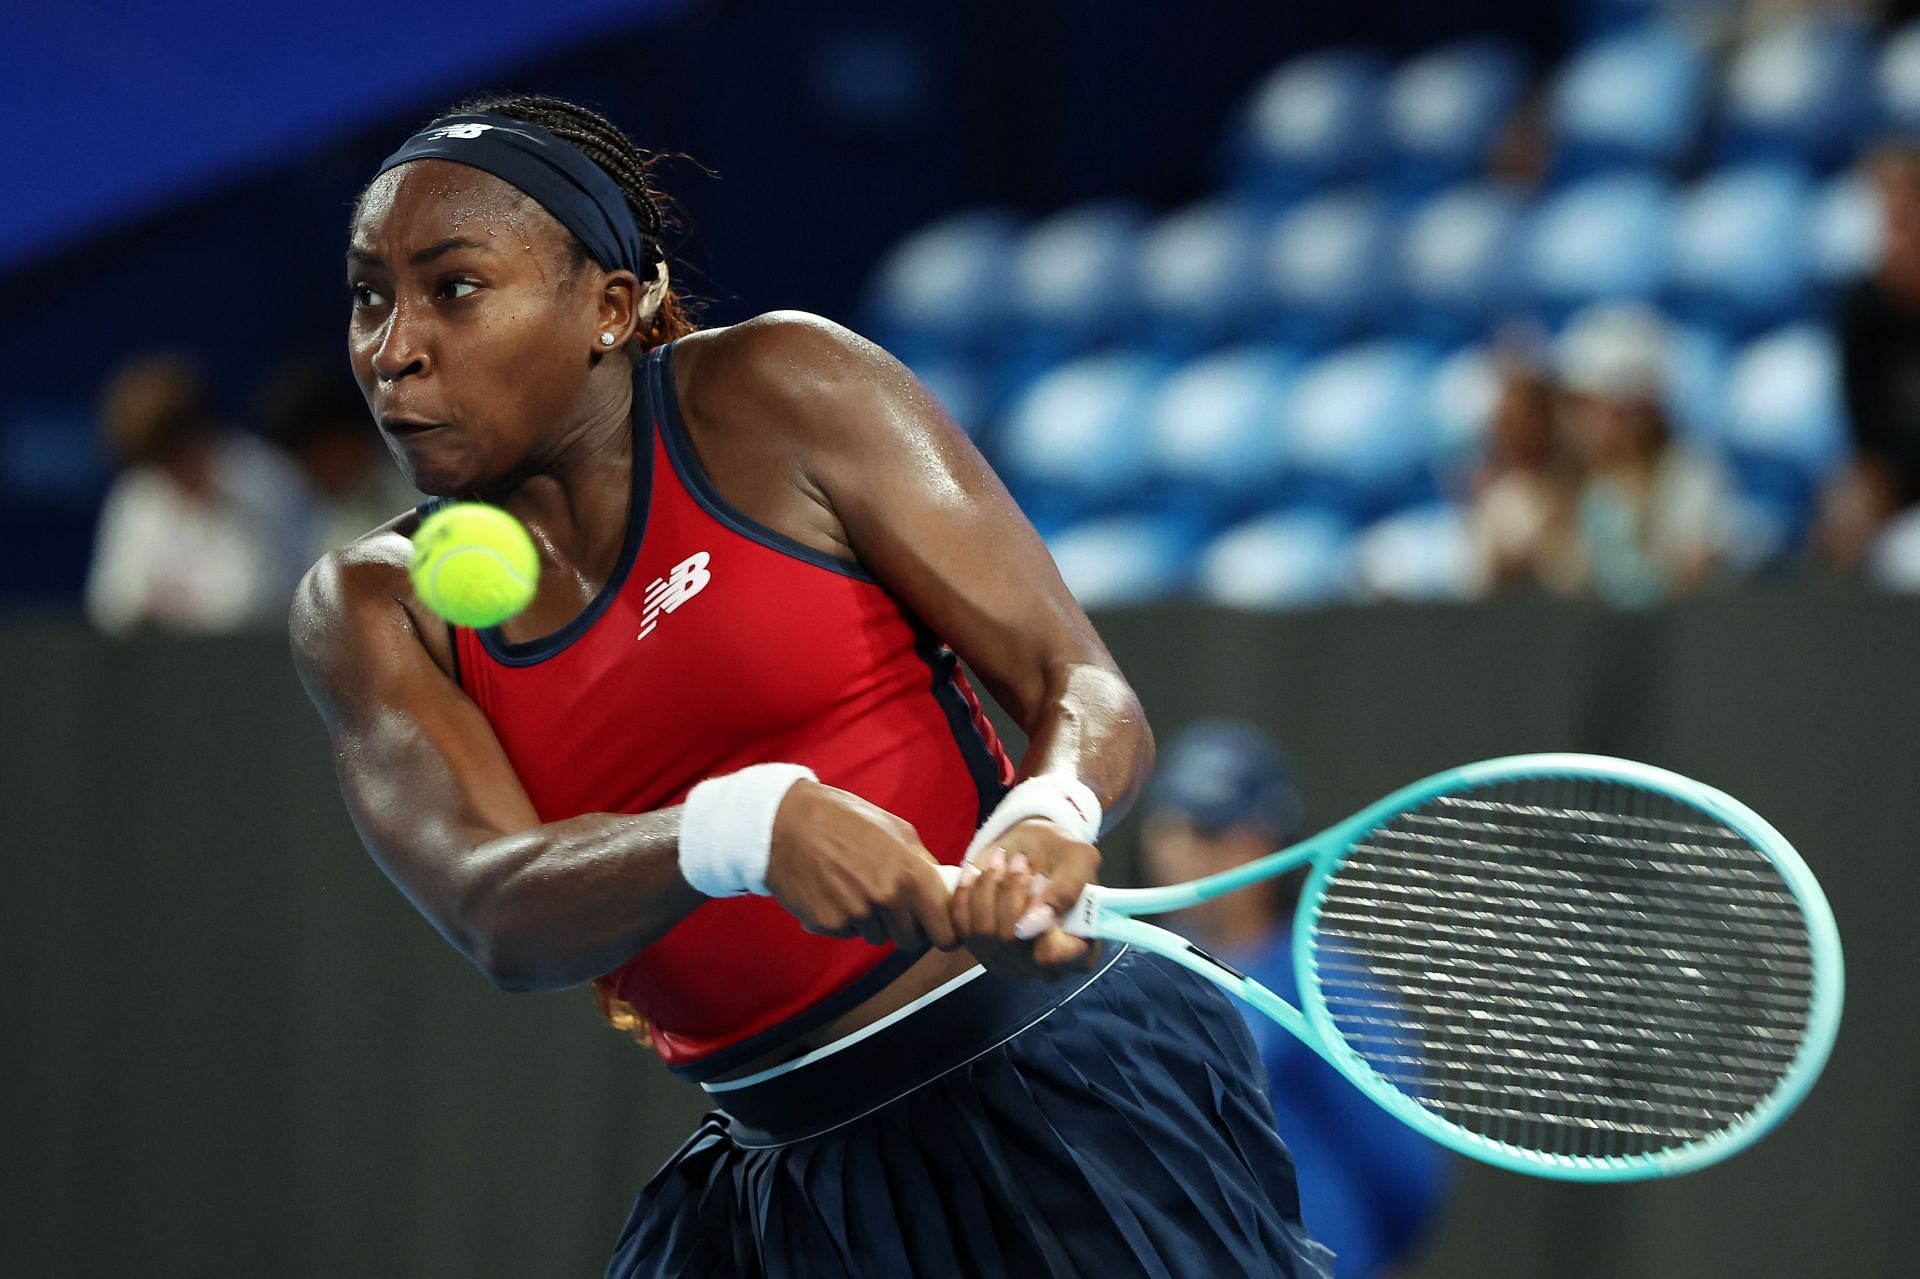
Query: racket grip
1078	920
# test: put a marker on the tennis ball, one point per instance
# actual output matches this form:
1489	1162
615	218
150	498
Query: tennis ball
474	564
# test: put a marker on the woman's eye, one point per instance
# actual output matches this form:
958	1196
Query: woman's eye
364	295
451	285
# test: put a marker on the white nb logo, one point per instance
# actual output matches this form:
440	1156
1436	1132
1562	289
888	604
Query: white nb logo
459	131
665	594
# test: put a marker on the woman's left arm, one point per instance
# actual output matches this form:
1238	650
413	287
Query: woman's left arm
922	511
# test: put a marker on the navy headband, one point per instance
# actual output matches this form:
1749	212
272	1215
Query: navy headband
575	190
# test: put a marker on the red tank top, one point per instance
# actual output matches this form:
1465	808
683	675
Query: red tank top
716	644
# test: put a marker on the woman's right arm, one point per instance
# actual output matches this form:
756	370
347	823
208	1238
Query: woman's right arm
543	906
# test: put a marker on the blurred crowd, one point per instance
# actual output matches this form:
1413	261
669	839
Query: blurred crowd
1679	276
207	526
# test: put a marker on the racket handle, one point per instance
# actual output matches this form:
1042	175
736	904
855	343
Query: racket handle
1078	920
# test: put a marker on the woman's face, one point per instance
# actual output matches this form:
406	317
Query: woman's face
471	335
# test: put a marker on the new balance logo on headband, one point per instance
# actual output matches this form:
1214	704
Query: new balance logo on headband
459	131
665	594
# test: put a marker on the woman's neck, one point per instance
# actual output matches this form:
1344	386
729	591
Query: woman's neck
574	496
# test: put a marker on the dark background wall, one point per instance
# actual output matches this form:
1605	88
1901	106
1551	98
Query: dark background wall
233	1049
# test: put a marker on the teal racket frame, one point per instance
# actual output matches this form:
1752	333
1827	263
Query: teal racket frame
1110	913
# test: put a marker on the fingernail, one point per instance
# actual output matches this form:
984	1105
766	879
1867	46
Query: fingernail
1033	923
1018	865
1038	885
997	859
969	873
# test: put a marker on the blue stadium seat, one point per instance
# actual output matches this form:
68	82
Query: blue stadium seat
1802	91
1122	560
1219	437
1425	553
1323	269
1740	248
1361	439
1845	230
1314	121
1461	396
940	291
1786	418
1445	110
1076	443
1897	79
1456	261
1199	276
1699	362
1633	98
1604	239
1073	282
1293	559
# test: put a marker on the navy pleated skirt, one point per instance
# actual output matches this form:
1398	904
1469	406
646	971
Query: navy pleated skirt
1118	1128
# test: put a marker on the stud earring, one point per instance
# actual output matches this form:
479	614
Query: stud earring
606	339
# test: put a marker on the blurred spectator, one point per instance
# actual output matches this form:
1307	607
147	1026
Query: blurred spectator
1652	515
195	534
1523	495
322	423
1223	795
1879	331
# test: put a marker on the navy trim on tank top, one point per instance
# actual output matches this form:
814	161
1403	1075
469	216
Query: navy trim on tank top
844	1000
534	651
982	765
686	463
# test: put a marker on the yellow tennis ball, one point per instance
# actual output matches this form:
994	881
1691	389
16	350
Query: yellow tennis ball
474	564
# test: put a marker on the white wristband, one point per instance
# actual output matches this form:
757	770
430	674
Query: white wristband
726	828
1067	802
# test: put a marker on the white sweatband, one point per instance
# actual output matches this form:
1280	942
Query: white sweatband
726	828
1067	802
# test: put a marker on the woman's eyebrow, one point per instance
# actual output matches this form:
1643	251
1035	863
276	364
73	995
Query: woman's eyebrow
428	254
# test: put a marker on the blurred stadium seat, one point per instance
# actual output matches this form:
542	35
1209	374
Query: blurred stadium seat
1219	434
1741	248
1421	554
1699	362
1802	91
1897	79
1323	268
1122	560
1445	111
1315	120
1844	230
1633	98
1460	399
939	291
1786	418
1361	438
1297	559
1604	239
1455	261
1077	441
1199	276
1074	283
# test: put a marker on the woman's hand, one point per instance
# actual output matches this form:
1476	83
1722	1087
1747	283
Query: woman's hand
846	868
1007	905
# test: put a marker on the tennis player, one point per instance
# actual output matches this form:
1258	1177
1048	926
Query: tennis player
714	765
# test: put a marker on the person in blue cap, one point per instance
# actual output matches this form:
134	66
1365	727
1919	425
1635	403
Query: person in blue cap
1224	795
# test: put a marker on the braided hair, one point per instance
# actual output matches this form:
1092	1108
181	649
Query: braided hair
603	142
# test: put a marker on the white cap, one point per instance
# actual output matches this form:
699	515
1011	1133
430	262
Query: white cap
1615	350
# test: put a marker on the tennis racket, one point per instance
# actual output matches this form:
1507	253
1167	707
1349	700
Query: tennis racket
1566	965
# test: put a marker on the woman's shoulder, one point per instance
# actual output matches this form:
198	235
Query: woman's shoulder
784	369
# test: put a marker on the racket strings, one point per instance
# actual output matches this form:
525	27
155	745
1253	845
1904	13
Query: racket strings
1567	966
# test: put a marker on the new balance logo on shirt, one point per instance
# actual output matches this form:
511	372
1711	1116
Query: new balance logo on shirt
666	594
